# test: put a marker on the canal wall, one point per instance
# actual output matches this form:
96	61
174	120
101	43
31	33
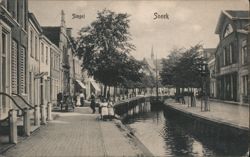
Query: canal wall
202	126
123	106
206	127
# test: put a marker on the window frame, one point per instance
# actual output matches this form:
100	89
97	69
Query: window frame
36	47
42	52
245	85
244	54
228	30
47	55
31	43
4	56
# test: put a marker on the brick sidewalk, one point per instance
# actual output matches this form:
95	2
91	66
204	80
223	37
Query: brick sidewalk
76	134
235	115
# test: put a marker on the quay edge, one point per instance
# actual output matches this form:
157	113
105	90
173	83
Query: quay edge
208	126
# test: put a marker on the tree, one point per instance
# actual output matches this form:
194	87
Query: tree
104	47
167	72
182	69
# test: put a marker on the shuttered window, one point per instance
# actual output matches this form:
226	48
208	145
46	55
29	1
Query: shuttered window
22	71
14	66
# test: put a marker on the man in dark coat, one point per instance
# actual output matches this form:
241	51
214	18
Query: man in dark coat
92	104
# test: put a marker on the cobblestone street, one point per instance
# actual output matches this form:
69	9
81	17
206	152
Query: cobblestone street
76	133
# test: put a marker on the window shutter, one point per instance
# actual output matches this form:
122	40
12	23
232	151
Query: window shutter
22	71
14	66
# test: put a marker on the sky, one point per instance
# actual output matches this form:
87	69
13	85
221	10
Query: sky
189	22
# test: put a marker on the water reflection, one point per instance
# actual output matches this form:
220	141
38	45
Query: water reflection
167	135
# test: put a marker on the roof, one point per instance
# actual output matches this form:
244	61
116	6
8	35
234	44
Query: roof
53	33
35	21
233	15
237	14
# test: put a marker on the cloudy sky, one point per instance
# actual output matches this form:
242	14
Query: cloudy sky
190	22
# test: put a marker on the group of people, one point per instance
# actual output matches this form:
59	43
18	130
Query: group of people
105	107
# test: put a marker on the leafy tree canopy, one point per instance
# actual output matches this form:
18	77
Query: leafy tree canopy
104	48
182	69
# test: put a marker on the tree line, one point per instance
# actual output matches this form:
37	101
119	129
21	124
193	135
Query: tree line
184	68
105	45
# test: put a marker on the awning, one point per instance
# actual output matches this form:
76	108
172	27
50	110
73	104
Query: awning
95	85
40	75
81	84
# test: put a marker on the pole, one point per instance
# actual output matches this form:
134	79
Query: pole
156	75
201	91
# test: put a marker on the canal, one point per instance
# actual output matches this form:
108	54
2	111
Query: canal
168	135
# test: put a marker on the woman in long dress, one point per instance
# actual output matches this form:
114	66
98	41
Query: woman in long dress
78	102
104	109
111	112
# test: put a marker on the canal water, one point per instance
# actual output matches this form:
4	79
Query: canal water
167	135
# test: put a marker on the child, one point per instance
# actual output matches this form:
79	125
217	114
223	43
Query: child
111	112
104	109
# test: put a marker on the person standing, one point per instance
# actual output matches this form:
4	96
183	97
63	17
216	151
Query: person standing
104	109
111	112
59	98
92	104
108	95
81	98
78	101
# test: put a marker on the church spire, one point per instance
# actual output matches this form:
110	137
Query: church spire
62	18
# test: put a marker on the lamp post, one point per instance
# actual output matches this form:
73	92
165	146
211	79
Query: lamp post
204	76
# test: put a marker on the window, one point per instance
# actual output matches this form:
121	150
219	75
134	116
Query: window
52	59
244	53
56	62
14	66
42	52
30	88
3	69
4	43
47	55
22	71
23	13
228	30
244	85
36	51
224	56
18	10
31	44
8	5
13	7
230	54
